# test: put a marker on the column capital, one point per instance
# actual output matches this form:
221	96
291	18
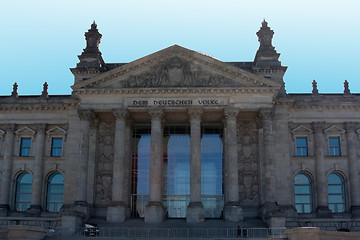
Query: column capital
195	113
9	128
40	127
86	114
266	113
156	113
120	113
318	127
351	126
231	112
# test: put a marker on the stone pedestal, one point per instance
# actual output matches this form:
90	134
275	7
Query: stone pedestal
276	222
117	213
233	212
4	209
323	212
154	212
195	212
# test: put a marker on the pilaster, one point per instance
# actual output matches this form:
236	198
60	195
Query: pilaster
37	184
321	183
6	169
354	178
85	115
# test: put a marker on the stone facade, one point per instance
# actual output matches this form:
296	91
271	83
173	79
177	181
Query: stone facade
268	140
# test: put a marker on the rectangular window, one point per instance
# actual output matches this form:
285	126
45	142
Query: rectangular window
334	144
56	147
301	146
25	146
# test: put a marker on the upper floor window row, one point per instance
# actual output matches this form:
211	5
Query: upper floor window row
56	147
302	146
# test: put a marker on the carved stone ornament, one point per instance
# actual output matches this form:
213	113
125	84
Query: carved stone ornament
40	128
266	113
175	72
86	114
195	113
156	113
231	112
351	126
10	128
120	113
318	127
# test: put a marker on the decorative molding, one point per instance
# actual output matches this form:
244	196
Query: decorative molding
195	113
37	107
156	113
301	129
334	128
25	131
156	91
318	127
86	114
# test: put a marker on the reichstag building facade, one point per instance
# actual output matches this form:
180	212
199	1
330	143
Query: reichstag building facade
180	134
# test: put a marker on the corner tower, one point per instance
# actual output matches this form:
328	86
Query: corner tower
266	62
91	62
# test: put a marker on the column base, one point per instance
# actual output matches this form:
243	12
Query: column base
33	211
4	210
195	212
355	211
154	212
233	212
276	222
323	212
117	213
269	209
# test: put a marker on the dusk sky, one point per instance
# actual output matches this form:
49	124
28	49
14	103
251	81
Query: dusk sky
317	39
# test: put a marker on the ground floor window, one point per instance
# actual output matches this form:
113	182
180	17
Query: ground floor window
336	191
303	193
23	192
55	192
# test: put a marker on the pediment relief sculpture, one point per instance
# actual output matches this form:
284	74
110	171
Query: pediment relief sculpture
175	72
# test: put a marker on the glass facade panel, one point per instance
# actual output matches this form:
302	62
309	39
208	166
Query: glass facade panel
56	147
212	171
301	146
334	143
303	193
55	192
140	175
23	192
25	147
336	193
176	170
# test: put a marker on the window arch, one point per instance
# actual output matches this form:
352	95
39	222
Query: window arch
23	192
336	193
55	192
303	193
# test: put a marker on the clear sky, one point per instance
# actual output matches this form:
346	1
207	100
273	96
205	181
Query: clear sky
317	39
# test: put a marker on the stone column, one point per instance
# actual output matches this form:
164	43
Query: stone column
354	178
117	212
37	182
232	210
321	181
154	211
269	178
85	116
195	210
6	169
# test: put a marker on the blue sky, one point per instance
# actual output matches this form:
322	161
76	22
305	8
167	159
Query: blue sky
40	39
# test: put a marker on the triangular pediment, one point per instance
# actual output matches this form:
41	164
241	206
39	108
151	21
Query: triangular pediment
301	129
176	67
56	131
25	131
334	129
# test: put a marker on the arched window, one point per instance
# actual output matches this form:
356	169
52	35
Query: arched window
303	193
23	192
336	192
55	192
